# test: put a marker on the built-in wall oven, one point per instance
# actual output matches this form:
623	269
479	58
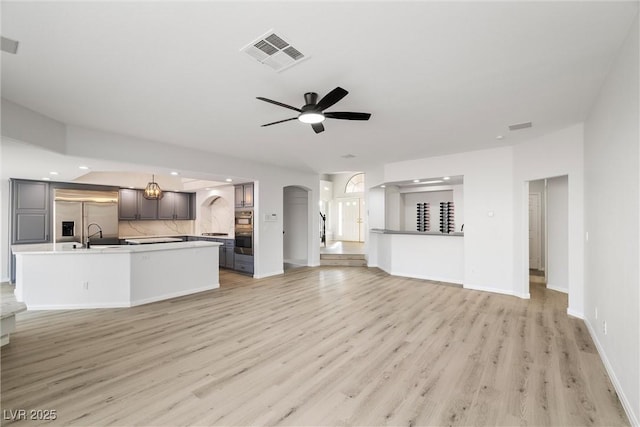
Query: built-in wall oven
244	232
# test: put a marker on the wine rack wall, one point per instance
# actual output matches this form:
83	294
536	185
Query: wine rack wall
447	212
423	217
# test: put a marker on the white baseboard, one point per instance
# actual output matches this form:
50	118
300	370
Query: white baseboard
174	295
564	290
36	307
432	278
496	291
273	273
633	418
575	313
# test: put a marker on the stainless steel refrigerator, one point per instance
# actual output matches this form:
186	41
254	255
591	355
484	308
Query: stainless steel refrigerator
75	210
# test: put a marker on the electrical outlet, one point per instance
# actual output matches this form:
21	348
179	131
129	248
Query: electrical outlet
596	313
604	327
85	286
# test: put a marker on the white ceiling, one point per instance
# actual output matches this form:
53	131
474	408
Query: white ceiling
438	77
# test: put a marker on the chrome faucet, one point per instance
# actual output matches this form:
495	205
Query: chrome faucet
89	236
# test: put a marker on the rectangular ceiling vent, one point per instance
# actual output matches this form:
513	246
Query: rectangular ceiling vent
9	46
519	126
275	51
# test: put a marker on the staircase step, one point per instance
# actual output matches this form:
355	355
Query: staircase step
344	262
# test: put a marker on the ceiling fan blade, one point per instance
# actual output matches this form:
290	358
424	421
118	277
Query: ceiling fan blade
317	127
347	115
279	121
331	98
271	101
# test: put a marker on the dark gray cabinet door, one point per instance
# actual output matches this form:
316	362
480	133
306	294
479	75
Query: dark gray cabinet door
166	206
31	195
175	206
243	195
128	204
147	209
248	195
183	206
30	212
239	196
228	253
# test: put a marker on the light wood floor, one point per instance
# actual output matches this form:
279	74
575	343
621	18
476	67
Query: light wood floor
317	346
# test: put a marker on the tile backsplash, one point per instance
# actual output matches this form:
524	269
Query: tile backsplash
155	228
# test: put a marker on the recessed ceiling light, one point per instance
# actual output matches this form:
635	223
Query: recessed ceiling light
499	137
46	178
207	189
228	180
383	186
416	181
446	178
53	173
174	173
131	188
84	168
326	188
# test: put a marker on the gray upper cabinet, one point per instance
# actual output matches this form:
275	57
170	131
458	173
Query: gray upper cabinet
128	204
175	206
244	195
147	209
31	212
133	206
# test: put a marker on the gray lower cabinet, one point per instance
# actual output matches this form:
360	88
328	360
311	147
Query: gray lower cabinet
243	263
30	212
227	248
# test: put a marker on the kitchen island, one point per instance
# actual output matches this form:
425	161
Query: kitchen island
59	277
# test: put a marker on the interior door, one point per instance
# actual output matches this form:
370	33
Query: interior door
535	239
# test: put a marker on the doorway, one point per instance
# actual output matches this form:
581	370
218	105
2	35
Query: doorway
295	223
548	234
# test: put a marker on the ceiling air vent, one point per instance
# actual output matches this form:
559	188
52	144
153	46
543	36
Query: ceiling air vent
275	51
9	46
519	126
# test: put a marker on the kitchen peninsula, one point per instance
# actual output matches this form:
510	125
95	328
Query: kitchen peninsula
427	255
57	276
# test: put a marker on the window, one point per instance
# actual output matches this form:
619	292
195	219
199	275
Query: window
355	184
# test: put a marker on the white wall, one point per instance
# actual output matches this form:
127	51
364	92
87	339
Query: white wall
612	215
556	154
557	232
488	211
393	200
434	198
4	235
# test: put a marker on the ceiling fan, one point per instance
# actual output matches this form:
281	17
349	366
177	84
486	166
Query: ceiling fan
313	110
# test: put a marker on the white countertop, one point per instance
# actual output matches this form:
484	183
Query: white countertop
67	248
147	240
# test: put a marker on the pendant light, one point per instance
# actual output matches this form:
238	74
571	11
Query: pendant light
152	191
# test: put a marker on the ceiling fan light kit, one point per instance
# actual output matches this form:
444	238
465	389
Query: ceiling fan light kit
313	110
